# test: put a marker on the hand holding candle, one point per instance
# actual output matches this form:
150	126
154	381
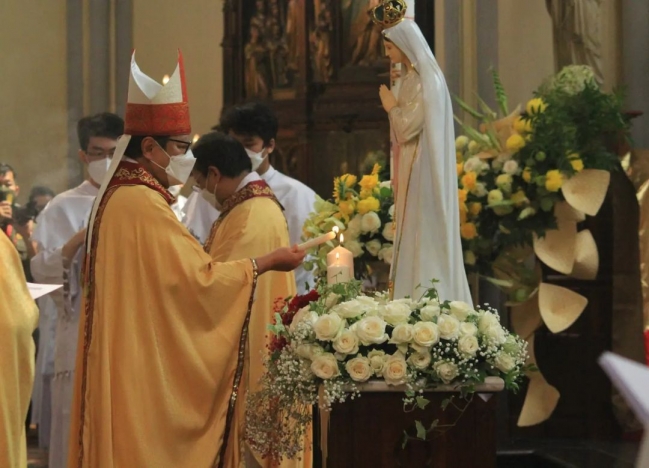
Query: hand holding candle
319	240
340	265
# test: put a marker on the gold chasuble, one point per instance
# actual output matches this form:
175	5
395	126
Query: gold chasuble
161	340
252	224
18	319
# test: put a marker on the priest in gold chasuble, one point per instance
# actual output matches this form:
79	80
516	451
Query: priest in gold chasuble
163	327
252	223
18	319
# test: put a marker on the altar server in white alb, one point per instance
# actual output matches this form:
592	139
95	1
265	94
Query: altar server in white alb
427	239
255	126
60	233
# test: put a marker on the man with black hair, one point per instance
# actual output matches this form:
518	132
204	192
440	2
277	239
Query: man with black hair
251	224
60	233
255	126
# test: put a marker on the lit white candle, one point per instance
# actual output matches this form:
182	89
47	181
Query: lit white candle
165	79
319	240
340	265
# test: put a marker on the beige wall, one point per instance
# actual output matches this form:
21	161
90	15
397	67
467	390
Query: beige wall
160	27
525	53
33	99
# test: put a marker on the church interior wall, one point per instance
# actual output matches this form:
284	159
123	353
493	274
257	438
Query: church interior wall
33	93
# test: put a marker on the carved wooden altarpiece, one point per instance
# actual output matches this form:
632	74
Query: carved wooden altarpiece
319	64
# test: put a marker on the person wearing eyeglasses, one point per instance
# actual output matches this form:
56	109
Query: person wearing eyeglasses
59	234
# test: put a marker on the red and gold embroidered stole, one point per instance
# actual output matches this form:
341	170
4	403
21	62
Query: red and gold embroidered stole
254	189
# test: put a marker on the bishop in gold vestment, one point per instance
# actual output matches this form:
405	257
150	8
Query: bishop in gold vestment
251	223
162	327
18	319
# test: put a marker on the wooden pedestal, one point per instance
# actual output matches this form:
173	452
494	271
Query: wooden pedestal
369	432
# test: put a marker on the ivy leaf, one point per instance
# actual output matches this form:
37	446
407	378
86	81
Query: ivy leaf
422	402
421	430
446	402
406	437
434	425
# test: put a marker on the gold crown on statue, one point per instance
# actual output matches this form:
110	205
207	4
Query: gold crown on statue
389	12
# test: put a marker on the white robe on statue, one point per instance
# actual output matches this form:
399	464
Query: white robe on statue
198	216
427	244
298	201
63	217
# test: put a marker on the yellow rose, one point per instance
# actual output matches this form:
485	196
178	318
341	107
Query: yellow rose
576	162
468	231
553	181
463	213
522	125
367	205
461	194
349	180
369	182
459	168
346	207
475	208
535	106
469	179
527	175
495	196
515	143
519	198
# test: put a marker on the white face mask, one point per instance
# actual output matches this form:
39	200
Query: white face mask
255	158
179	168
210	197
98	169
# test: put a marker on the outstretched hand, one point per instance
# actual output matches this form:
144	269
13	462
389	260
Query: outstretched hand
283	259
387	98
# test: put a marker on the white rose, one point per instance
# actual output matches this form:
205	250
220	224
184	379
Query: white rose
396	312
386	184
394	371
468	345
407	301
346	343
504	362
420	361
460	310
512	346
468	329
430	311
511	167
332	299
495	334
349	309
377	360
371	330
402	333
370	223
386	254
309	351
354	228
359	369
354	247
327	327
298	317
391	212
373	247
325	366
388	231
446	371
486	320
473	164
425	334
449	327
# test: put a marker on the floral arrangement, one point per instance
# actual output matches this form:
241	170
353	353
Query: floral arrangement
363	210
328	343
512	169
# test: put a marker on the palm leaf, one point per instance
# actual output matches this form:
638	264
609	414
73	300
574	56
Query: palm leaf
501	97
468	108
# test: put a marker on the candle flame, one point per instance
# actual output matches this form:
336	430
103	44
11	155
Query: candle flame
337	256
342	238
165	79
336	229
196	137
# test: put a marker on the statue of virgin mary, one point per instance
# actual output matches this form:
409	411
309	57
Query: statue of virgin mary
427	241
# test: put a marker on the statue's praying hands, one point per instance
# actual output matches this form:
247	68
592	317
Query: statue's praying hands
387	98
